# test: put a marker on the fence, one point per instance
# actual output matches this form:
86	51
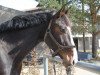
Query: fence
83	65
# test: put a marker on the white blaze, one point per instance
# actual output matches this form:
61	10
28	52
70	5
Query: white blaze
75	56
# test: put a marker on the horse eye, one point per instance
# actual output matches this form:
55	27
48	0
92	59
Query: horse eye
63	30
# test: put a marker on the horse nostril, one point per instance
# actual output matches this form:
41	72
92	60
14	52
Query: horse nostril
73	62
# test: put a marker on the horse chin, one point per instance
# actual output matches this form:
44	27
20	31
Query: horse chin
70	70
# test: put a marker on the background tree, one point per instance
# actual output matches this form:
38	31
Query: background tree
94	6
90	17
83	14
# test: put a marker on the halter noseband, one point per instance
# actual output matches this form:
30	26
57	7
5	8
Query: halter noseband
60	47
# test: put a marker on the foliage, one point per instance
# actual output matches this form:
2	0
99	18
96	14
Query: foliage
53	4
75	13
90	7
50	4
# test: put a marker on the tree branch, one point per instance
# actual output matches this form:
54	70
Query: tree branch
98	8
98	32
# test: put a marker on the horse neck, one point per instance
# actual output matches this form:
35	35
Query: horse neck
5	59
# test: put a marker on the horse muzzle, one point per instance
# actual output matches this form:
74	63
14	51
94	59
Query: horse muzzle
70	70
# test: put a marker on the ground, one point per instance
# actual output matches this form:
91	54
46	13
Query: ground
80	71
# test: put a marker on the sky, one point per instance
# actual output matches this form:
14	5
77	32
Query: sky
21	5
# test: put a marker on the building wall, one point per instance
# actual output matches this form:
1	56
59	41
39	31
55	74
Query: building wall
98	41
98	36
87	43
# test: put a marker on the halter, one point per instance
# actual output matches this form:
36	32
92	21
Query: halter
60	47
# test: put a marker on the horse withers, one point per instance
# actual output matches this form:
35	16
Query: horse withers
22	33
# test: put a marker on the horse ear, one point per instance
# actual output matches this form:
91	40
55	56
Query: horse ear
66	12
60	12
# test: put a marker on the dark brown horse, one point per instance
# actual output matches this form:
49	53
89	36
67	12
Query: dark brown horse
21	34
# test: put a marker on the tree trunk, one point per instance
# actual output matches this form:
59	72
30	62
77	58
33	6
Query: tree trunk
84	42
93	21
83	26
94	47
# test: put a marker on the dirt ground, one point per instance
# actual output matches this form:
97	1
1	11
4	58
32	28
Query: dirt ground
80	71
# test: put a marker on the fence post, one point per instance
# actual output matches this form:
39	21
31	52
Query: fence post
45	61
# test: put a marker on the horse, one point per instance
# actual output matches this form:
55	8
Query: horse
22	33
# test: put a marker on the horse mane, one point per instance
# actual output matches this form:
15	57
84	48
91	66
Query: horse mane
24	21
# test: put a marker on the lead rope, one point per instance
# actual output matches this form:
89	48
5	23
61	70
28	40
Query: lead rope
54	67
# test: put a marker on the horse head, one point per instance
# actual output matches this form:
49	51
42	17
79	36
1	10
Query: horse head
59	37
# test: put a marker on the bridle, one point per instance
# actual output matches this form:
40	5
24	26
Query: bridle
60	47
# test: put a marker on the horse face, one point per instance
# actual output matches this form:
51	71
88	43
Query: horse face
61	30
